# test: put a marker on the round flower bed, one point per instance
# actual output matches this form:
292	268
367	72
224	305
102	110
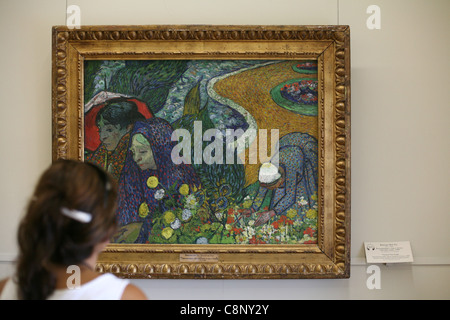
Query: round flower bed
302	92
297	95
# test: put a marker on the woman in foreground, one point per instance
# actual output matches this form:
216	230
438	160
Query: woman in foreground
68	222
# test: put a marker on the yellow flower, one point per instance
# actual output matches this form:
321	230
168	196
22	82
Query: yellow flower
192	201
152	182
169	217
291	213
167	232
143	210
311	214
314	196
184	189
247	204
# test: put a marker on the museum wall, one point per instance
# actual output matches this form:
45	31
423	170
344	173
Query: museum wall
399	137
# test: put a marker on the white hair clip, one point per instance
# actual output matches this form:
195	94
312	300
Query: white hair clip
80	216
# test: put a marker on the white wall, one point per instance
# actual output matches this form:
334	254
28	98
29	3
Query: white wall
400	130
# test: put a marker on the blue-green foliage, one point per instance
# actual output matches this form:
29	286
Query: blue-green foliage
149	81
214	176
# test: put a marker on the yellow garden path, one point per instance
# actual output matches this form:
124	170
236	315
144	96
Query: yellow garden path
251	90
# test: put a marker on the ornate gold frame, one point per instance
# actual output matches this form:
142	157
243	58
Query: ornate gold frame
330	45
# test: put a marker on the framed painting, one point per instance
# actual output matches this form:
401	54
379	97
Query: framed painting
230	145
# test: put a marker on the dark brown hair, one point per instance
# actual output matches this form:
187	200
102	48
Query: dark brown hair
49	238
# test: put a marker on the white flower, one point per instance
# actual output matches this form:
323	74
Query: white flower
201	240
302	202
186	214
248	232
190	201
175	224
219	215
159	194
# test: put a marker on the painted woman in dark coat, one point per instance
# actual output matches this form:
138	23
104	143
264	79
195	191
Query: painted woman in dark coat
148	161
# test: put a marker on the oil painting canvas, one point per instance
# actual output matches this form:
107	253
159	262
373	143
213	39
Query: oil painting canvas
207	151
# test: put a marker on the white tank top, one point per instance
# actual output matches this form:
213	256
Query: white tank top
105	287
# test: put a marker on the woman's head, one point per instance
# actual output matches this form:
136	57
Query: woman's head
115	120
153	136
48	236
142	152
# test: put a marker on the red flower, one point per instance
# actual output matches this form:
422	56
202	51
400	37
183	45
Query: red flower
309	232
253	240
238	230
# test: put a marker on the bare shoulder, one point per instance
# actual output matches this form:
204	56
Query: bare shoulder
132	292
2	284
